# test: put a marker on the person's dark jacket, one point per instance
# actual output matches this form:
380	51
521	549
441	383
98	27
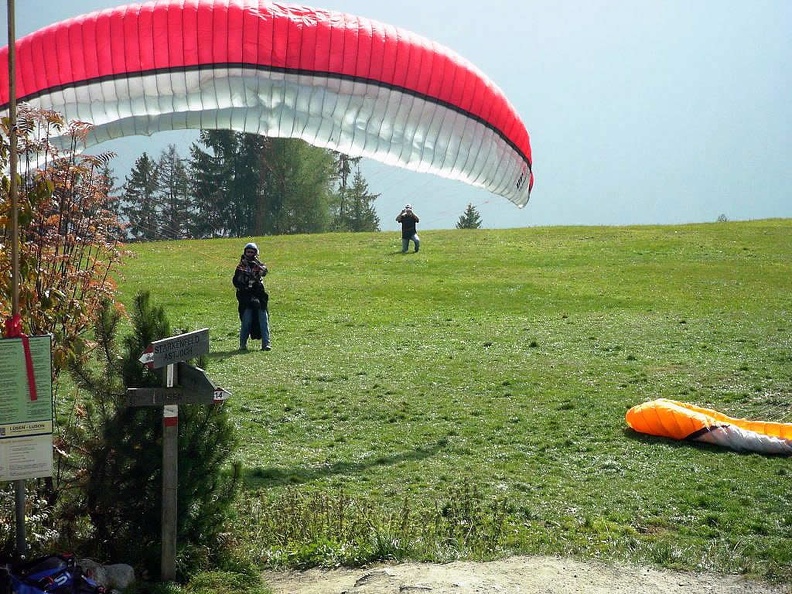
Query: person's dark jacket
250	290
408	220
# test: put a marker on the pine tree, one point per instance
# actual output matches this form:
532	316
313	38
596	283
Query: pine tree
174	187
470	219
114	454
359	214
344	165
250	185
225	184
140	202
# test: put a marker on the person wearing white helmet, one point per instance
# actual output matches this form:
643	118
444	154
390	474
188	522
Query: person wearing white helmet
252	299
408	220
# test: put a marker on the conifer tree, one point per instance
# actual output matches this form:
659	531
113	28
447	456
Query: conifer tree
219	211
140	202
344	165
174	186
359	213
113	470
470	219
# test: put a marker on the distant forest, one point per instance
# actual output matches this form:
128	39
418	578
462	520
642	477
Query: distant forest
240	185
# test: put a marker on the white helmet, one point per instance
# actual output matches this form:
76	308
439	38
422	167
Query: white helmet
251	246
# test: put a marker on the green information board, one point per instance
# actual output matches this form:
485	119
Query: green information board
25	424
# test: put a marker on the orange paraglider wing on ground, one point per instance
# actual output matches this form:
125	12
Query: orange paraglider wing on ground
679	420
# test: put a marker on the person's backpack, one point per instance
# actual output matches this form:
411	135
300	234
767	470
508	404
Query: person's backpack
52	574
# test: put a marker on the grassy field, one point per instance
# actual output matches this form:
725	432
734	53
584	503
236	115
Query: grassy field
478	388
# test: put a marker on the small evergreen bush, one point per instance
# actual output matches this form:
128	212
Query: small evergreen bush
113	468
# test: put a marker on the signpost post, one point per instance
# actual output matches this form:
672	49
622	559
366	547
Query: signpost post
184	384
13	190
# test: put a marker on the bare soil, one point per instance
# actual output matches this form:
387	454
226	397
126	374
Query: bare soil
515	575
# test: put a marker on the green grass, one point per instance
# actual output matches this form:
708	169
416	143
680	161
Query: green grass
469	400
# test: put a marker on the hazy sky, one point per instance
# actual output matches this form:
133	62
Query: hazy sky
640	112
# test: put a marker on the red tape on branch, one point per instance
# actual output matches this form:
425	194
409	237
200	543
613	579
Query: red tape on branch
13	329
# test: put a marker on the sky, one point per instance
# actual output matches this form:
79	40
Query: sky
639	111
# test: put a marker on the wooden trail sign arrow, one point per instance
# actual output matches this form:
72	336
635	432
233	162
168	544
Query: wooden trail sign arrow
201	388
147	358
176	349
195	387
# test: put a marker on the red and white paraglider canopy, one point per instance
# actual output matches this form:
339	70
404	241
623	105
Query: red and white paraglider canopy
334	80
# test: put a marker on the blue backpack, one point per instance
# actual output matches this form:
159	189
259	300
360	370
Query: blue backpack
53	574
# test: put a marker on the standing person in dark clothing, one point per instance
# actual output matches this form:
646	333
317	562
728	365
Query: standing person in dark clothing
252	299
408	220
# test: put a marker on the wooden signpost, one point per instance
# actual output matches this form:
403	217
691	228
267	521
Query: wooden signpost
184	384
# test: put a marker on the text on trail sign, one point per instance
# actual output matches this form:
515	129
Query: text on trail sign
175	349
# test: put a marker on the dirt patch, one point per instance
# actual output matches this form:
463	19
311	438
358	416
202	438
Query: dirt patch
515	575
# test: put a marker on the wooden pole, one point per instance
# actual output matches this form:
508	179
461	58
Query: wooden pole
19	485
170	481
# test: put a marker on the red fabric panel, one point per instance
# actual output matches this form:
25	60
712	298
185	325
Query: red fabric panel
102	53
387	65
280	33
402	58
90	60
49	53
116	55
174	28
422	73
204	33
76	60
321	54
365	52
161	37
348	23
190	41
26	77
335	56
250	36
372	56
309	33
234	40
218	15
136	37
294	38
301	28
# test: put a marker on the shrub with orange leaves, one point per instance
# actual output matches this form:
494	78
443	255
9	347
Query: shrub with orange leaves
69	233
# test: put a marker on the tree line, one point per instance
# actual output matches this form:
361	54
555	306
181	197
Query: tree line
240	185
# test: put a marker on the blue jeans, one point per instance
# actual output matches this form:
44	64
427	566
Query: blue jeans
406	242
247	322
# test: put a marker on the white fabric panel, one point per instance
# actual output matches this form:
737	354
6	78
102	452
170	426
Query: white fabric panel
355	118
733	437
